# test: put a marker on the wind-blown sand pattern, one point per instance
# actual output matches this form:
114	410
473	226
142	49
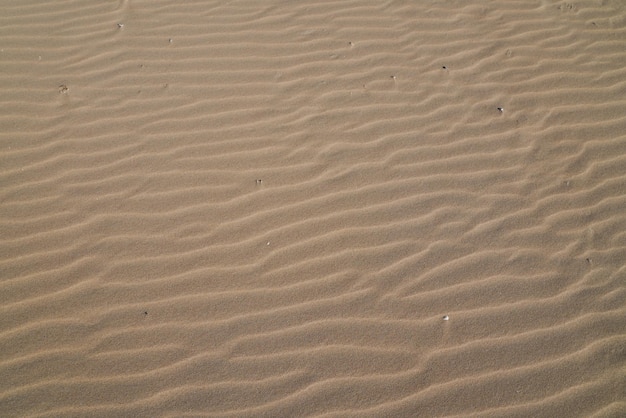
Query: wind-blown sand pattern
267	208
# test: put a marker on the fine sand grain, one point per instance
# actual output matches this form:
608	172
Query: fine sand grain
313	208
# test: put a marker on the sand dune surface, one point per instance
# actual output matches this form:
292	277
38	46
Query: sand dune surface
313	209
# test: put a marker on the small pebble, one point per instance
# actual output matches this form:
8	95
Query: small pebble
501	109
120	25
444	67
446	318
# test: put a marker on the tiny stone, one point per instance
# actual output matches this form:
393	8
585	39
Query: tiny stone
444	67
120	25
501	109
446	317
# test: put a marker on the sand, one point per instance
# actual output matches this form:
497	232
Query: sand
315	208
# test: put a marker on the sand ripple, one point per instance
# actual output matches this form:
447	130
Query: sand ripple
267	208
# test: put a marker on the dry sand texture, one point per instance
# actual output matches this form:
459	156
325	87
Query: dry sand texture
266	208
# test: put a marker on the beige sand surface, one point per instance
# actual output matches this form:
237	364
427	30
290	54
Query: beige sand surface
266	208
